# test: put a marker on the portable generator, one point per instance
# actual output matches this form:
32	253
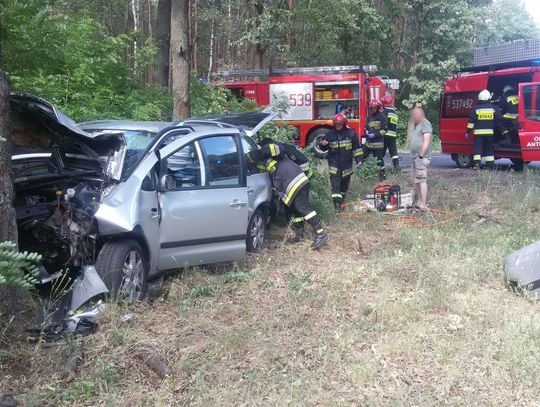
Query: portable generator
387	197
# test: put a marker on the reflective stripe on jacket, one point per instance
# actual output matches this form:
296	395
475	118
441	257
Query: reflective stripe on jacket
391	121
343	147
484	119
287	176
377	125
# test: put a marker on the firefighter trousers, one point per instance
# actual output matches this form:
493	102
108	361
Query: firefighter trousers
390	145
378	153
340	186
483	147
302	211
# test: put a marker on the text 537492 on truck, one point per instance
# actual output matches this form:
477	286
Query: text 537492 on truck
511	73
314	94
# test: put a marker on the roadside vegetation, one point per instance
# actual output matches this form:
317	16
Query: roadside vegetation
390	313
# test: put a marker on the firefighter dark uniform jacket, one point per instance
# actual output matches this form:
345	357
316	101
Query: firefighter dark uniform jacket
377	125
391	121
343	146
484	119
295	155
509	105
287	177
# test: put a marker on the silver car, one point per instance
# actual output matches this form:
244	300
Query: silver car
137	199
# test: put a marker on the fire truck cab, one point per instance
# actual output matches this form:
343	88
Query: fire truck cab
515	64
313	95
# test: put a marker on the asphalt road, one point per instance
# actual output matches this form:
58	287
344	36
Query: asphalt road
440	160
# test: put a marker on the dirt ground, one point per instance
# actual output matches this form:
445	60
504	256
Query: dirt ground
394	311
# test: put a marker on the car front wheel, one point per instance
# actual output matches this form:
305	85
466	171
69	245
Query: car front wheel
121	265
256	231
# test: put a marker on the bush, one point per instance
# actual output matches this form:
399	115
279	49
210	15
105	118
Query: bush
18	269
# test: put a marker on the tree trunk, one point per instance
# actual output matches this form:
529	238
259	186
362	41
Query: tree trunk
163	35
211	57
8	222
180	58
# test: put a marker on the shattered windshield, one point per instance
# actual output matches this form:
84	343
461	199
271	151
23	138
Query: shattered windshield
137	142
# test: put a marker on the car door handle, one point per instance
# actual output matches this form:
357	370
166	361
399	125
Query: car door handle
155	213
237	204
250	190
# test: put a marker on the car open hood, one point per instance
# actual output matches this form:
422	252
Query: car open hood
250	122
71	141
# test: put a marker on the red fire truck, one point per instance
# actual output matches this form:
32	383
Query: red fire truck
314	94
516	64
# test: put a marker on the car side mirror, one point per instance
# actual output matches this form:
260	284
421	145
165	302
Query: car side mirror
169	182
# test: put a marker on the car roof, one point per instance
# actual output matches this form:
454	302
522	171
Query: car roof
125	125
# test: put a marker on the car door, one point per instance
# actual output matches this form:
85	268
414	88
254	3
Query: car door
259	185
529	119
203	201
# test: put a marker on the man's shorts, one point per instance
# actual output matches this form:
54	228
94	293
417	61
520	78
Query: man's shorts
420	170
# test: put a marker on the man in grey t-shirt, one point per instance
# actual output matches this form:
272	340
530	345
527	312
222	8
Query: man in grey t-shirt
420	154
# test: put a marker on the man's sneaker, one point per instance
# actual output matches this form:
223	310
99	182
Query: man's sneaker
319	241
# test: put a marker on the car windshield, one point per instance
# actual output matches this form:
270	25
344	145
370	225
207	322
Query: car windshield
137	142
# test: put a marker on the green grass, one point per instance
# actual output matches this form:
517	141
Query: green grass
387	314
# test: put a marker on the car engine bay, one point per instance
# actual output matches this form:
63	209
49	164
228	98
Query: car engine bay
55	219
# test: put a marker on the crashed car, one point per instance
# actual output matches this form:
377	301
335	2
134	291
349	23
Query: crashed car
136	205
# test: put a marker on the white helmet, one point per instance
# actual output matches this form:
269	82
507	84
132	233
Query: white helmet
508	88
484	96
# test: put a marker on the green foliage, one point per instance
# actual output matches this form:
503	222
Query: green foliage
73	62
370	170
16	268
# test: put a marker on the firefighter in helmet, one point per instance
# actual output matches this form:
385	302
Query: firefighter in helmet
484	121
343	148
292	185
376	127
293	153
509	105
390	138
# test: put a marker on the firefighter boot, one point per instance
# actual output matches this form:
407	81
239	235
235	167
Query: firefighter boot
396	168
320	240
320	235
337	204
299	235
382	174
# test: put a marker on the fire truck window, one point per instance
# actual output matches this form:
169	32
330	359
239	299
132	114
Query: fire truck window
458	105
531	102
254	158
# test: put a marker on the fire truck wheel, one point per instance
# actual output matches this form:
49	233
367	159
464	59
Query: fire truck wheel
463	160
518	164
313	142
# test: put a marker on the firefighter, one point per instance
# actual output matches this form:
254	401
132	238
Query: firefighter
292	185
343	147
484	121
293	153
390	138
509	105
376	126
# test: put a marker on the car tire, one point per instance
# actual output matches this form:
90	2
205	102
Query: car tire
518	164
463	160
256	232
122	266
313	142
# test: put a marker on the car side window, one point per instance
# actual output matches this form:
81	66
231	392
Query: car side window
184	168
222	161
254	158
